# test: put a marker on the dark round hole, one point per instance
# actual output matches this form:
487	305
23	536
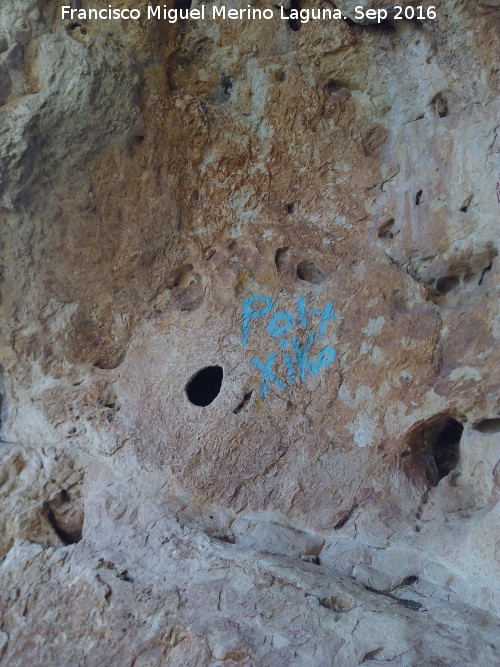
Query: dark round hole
205	386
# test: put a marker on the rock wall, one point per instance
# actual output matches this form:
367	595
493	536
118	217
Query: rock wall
307	213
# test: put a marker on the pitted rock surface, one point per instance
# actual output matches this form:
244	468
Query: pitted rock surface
312	212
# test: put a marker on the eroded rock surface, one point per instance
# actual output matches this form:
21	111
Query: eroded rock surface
311	215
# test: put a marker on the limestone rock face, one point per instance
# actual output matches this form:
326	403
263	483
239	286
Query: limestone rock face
249	350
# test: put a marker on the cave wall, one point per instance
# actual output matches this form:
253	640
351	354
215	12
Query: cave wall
314	210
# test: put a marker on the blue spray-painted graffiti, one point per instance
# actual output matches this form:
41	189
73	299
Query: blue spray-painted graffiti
297	359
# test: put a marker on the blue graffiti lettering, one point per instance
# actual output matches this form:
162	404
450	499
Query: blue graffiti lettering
301	355
250	314
324	358
297	358
326	315
301	307
274	329
267	374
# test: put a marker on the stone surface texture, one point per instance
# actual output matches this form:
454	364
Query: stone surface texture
153	178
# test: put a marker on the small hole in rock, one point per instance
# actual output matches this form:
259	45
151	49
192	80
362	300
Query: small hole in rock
180	277
280	259
440	105
244	402
488	426
64	496
340	524
310	558
434	448
290	208
447	284
294	24
110	402
205	386
465	206
385	231
110	361
418	198
333	86
372	654
226	86
65	517
309	272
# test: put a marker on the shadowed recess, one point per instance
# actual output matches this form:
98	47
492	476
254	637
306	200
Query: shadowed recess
447	284
310	273
445	446
294	24
435	447
244	402
280	259
488	426
205	386
385	231
64	517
